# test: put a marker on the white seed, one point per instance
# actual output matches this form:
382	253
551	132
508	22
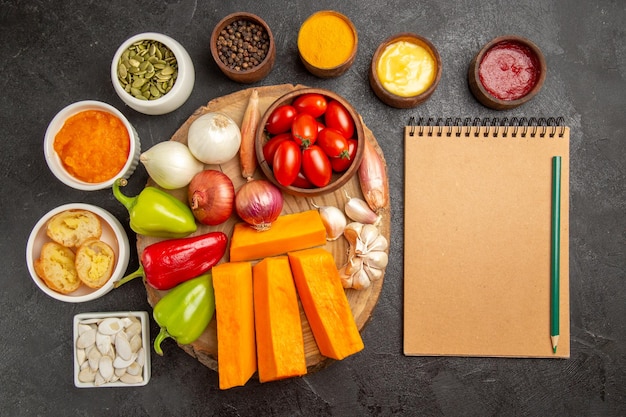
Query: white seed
118	372
99	379
80	356
131	379
122	363
103	343
86	339
122	346
133	330
110	325
87	375
126	321
134	369
105	366
82	328
94	359
141	358
135	343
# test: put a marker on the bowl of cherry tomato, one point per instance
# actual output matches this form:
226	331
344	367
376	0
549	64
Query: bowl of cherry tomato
311	143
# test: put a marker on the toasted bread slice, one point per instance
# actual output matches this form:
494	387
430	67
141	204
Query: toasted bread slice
57	269
71	228
95	261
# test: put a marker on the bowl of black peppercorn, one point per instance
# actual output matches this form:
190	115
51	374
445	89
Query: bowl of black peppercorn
243	47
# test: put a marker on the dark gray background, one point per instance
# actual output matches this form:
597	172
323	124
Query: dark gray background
54	53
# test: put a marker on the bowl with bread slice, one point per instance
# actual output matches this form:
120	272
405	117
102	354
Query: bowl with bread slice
76	252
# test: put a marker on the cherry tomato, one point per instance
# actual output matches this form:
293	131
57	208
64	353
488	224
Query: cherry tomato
337	117
287	161
280	120
333	143
316	166
304	130
320	126
342	164
311	103
301	181
269	149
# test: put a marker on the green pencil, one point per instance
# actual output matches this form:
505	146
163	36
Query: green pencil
555	252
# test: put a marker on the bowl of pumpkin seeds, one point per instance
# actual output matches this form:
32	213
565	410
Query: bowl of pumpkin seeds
152	73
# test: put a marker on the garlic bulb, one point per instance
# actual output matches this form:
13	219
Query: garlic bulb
170	164
333	219
367	256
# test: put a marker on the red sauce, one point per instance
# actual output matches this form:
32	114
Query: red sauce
509	70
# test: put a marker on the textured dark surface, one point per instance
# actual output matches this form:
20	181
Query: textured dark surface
54	53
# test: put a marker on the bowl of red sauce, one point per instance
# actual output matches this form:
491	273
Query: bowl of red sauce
89	144
507	72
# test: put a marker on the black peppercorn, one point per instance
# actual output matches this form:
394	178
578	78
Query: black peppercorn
242	45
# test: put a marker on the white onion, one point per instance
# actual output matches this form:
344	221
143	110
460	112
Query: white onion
170	164
259	203
214	138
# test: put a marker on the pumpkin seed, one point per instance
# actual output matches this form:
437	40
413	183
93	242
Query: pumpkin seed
147	70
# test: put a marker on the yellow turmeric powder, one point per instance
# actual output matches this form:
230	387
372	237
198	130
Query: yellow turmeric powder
326	40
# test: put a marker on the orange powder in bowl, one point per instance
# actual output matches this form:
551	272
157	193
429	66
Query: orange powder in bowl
93	145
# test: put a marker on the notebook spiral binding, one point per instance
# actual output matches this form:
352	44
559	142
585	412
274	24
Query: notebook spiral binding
521	127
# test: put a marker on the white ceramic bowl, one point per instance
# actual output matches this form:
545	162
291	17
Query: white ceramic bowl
112	233
179	93
86	318
54	162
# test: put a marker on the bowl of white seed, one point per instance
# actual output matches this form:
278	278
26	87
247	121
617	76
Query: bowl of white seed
111	349
152	73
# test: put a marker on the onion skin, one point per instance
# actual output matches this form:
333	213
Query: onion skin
259	203
373	179
211	197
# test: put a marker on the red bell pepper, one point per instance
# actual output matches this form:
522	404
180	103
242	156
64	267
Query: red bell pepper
167	263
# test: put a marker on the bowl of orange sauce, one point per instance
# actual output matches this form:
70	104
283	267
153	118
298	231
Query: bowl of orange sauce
89	144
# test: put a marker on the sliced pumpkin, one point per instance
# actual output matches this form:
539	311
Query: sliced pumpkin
325	303
280	344
289	232
234	306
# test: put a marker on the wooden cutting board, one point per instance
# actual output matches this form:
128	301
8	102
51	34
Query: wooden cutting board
362	302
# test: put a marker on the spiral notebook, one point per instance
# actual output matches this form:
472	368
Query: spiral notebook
477	237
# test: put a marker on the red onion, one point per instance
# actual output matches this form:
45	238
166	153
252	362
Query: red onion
211	194
259	203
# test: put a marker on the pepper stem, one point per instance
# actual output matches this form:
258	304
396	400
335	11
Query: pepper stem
138	273
128	202
163	334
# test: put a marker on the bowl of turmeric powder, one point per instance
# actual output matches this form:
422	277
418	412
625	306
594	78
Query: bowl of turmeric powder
327	43
89	144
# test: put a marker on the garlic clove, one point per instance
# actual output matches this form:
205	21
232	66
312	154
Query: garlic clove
374	274
333	219
355	264
359	211
368	235
361	280
379	244
352	231
376	259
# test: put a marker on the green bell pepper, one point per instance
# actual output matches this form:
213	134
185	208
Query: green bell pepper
156	213
185	312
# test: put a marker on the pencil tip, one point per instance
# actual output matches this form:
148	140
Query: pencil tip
554	349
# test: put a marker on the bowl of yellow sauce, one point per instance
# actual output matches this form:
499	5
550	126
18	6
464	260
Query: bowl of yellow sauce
405	70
